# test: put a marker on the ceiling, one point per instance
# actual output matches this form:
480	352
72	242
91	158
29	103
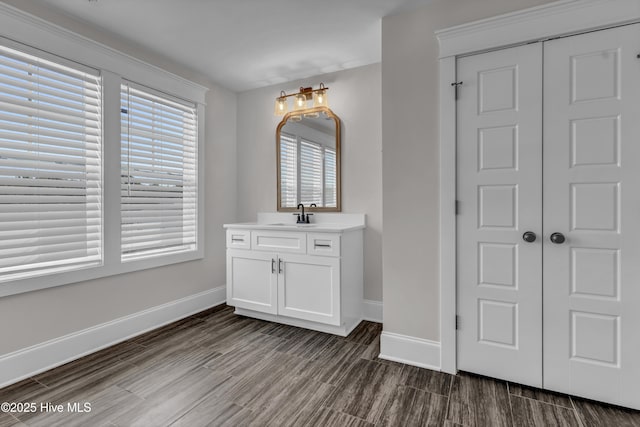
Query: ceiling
246	44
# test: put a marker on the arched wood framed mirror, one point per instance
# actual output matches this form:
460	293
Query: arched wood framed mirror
308	160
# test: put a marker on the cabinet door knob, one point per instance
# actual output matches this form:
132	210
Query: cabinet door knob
273	265
529	236
557	238
279	266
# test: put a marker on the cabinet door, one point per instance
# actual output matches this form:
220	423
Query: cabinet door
252	280
309	288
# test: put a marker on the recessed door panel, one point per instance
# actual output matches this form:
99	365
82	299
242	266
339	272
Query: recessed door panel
595	141
498	148
498	206
595	273
498	323
499	162
497	89
595	75
594	338
595	206
591	195
498	264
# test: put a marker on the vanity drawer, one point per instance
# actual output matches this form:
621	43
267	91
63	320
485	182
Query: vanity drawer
323	244
238	239
279	241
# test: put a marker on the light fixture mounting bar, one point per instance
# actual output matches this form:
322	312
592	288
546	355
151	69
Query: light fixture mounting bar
307	91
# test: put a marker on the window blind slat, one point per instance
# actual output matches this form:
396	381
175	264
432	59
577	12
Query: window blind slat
50	166
39	263
24	123
52	96
45	251
29	107
46	226
43	174
153	158
44	160
46	182
44	232
150	150
161	228
47	67
158	187
175	120
41	243
52	144
78	90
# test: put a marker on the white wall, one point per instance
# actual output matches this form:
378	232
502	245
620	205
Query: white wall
410	161
354	95
35	317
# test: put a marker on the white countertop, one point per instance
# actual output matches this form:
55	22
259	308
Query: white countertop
313	227
320	222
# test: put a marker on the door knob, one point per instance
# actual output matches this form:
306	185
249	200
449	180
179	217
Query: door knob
557	238
529	236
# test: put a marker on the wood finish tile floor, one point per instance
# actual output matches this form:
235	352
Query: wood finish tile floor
219	369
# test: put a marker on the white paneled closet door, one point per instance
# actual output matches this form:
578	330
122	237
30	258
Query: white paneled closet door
500	193
562	311
592	196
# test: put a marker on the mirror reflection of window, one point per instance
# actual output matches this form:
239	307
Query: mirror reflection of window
289	170
330	177
316	172
308	162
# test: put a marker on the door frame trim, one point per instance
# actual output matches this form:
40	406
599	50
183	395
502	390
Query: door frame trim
557	19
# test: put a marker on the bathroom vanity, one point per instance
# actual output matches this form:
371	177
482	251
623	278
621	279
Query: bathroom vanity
306	275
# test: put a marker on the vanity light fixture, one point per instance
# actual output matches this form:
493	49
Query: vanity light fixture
320	97
282	106
301	98
299	102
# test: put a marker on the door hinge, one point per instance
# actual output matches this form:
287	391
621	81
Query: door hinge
457	322
457	207
456	85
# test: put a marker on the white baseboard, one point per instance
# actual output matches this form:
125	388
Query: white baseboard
372	311
410	350
33	360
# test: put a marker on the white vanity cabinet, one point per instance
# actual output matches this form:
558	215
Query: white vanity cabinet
311	279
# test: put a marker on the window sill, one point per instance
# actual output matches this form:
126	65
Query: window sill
47	281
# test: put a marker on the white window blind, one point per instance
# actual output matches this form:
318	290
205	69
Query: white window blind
330	177
50	164
288	170
159	176
311	165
